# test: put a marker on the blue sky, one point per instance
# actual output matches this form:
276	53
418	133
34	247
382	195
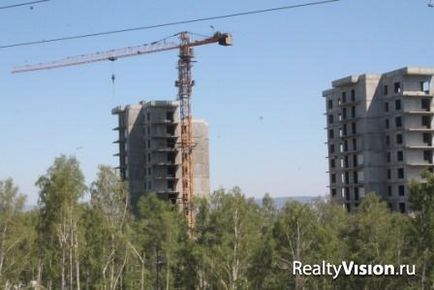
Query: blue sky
261	97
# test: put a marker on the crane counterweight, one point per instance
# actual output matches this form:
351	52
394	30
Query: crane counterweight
225	39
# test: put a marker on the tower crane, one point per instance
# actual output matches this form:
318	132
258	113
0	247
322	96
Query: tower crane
184	84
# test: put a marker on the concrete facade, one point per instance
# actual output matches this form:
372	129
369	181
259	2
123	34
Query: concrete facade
149	157
379	134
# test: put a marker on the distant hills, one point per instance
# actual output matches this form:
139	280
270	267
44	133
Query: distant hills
280	201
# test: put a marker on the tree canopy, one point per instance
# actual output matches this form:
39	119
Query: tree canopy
83	236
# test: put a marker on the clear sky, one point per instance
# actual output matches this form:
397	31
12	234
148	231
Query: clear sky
261	97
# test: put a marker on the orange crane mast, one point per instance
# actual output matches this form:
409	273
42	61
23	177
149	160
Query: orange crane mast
184	83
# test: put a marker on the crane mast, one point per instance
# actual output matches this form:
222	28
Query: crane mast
184	83
185	88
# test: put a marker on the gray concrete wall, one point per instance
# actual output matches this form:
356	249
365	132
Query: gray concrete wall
201	158
149	154
377	145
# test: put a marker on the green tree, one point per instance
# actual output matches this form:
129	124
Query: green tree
262	273
158	232
193	269
376	236
16	237
295	234
60	190
329	242
227	236
422	230
105	225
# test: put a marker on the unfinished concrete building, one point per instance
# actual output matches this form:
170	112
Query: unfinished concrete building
380	135
148	150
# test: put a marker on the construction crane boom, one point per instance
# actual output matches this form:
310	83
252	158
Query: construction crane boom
98	56
184	83
114	54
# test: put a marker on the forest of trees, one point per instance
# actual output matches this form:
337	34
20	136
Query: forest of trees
70	242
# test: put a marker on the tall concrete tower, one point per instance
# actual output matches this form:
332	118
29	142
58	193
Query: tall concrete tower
379	134
149	158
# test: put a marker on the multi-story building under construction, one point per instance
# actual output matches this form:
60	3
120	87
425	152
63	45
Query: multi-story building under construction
380	134
149	151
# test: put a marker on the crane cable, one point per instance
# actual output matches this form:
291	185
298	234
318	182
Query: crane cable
112	60
113	77
217	17
23	4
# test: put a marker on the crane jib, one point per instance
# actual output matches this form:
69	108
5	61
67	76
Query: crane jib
98	56
224	39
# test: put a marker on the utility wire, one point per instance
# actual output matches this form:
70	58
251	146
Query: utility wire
22	4
237	14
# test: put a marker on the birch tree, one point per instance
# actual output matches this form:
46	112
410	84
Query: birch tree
228	239
159	233
60	190
422	231
15	235
294	233
106	229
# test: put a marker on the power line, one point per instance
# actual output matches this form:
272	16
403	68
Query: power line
237	14
22	4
